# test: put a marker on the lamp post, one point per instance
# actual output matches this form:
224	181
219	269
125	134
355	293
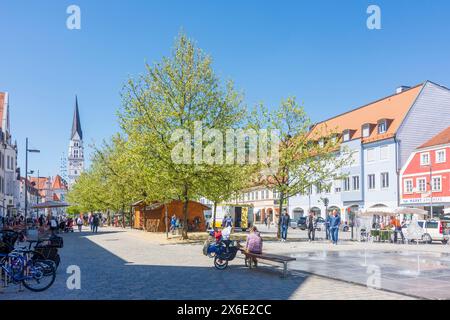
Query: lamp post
26	179
326	202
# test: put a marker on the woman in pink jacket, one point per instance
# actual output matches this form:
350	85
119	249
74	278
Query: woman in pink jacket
254	243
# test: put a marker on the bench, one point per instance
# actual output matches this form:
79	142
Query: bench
269	257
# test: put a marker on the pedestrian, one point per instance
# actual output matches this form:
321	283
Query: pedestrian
95	223
173	224
53	225
228	221
90	220
254	243
311	226
269	221
327	227
335	222
265	221
80	223
398	229
284	225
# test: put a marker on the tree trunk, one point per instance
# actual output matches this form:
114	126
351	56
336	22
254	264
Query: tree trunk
167	221
214	215
185	213
123	217
131	217
279	215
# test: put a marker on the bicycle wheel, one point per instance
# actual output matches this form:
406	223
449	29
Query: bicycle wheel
38	256
41	275
219	263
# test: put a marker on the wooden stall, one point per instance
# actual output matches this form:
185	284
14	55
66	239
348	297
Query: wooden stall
151	217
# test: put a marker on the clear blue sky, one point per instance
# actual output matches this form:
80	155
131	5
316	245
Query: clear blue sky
319	51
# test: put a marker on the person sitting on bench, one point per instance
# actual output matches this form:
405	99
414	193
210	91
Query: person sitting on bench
254	243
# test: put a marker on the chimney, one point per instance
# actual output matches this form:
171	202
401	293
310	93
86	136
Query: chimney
402	89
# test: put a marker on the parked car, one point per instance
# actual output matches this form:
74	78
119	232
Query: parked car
320	224
433	230
301	223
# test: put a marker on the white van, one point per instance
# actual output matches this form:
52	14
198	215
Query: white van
433	230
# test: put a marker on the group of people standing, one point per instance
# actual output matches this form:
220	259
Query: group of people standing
332	223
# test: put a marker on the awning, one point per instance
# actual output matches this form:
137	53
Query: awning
388	211
50	204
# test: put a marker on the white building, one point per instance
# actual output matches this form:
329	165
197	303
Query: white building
76	149
9	177
381	135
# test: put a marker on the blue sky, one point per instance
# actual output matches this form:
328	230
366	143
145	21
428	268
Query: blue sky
319	51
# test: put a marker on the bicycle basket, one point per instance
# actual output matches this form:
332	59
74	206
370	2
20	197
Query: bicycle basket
56	242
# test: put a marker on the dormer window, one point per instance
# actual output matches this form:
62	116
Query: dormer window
347	135
321	143
366	130
382	126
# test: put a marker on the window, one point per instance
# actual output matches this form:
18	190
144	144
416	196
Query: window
437	184
328	188
347	184
366	130
262	195
355	158
384	152
421	184
248	196
371	179
355	180
346	135
440	156
425	159
385	180
267	194
382	127
371	155
408	186
321	143
257	195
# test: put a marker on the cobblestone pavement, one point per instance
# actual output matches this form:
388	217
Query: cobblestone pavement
123	264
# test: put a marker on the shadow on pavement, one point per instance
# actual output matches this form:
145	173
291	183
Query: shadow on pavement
104	275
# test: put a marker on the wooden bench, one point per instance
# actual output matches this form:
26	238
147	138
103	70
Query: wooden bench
269	257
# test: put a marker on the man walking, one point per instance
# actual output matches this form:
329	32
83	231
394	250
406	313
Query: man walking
335	222
95	223
398	229
284	225
311	226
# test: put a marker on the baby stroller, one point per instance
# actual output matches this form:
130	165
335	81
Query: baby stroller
222	251
69	226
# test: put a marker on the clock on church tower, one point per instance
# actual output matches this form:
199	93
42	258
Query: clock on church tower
76	152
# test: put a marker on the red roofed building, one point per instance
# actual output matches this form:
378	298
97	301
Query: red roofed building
428	166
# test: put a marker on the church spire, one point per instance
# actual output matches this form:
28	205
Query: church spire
76	125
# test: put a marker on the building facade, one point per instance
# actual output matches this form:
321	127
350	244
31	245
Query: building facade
9	177
380	136
76	149
425	177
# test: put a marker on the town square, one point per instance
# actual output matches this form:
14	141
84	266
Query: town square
204	151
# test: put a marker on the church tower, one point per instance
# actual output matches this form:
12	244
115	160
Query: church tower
75	155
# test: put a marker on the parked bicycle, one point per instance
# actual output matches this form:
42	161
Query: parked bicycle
23	266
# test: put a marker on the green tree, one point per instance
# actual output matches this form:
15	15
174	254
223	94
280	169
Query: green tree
303	160
173	96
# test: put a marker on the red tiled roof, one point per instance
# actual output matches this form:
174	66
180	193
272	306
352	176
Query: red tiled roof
393	109
57	183
441	138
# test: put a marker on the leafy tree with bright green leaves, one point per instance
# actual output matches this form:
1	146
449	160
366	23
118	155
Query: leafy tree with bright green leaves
172	96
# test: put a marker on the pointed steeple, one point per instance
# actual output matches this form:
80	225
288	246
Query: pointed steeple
76	125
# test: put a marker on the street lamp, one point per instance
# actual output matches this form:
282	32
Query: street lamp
325	203
26	179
